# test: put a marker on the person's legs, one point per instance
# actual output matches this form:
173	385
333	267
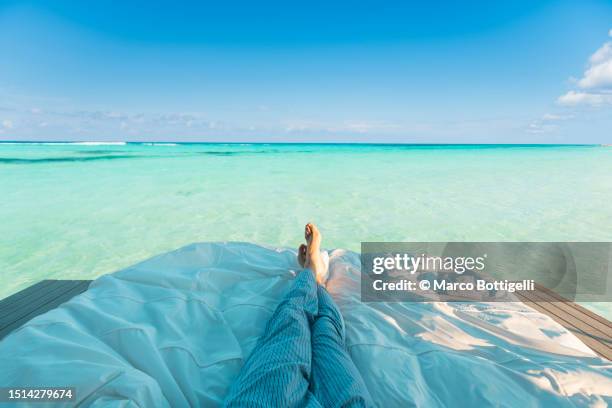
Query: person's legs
302	351
335	380
277	372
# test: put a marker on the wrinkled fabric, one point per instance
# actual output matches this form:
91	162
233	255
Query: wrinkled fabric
176	330
301	359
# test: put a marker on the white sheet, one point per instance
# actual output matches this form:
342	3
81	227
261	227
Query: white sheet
174	331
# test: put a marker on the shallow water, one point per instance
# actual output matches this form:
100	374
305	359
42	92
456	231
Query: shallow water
75	211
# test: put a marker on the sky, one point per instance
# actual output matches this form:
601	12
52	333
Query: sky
318	71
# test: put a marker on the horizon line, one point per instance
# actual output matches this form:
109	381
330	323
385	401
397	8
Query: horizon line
168	142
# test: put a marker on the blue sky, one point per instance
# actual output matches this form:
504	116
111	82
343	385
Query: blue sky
370	71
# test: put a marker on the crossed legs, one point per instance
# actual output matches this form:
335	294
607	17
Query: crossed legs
301	359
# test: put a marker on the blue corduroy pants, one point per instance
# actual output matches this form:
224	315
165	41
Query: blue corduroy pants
301	359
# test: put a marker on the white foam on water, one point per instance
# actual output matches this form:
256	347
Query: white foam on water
100	143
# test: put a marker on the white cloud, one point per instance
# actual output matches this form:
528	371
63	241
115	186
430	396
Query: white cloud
552	116
7	124
539	127
549	122
573	98
603	54
599	74
348	126
595	86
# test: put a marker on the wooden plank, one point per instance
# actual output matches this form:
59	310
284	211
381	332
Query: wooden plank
61	291
568	308
80	288
599	348
597	341
582	322
25	293
25	305
31	299
553	308
584	310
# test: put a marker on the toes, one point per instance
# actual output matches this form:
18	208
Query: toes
312	233
302	255
313	229
308	231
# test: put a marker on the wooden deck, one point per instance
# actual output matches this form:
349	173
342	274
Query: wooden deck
45	295
594	330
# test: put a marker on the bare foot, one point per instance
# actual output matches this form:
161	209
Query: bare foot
302	255
313	259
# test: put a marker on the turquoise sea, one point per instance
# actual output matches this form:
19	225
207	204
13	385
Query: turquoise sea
79	210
